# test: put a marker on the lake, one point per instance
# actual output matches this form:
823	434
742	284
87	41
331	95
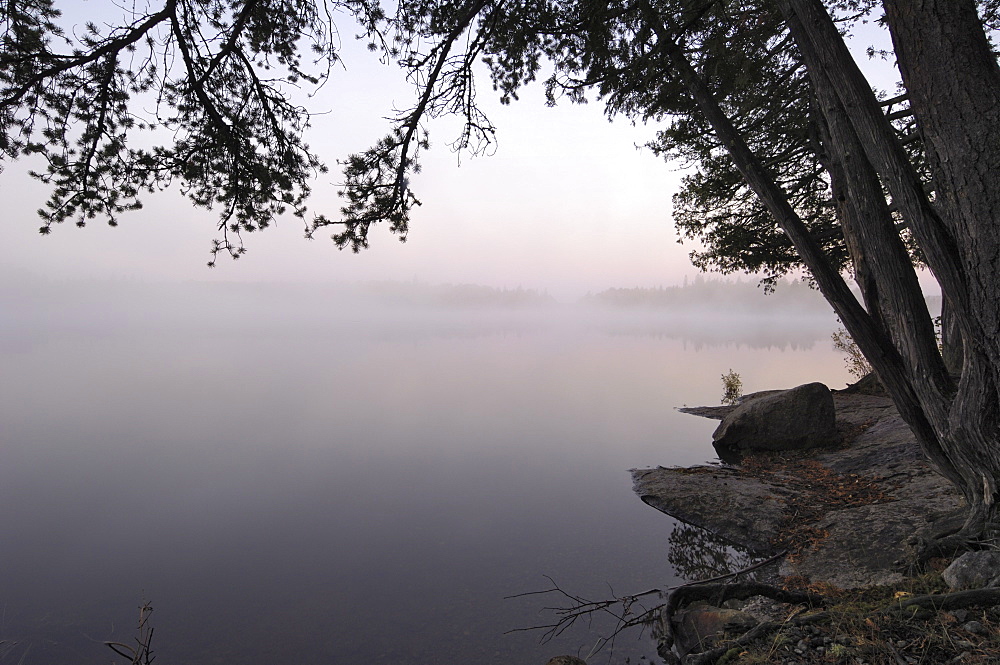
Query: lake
292	475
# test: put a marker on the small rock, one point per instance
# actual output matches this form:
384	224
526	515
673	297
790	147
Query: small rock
973	570
974	627
566	660
960	615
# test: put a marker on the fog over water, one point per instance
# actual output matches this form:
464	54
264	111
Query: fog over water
349	474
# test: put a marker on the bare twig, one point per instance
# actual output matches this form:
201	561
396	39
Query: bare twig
628	612
142	652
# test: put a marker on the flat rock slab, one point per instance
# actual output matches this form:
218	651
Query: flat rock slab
852	545
713	498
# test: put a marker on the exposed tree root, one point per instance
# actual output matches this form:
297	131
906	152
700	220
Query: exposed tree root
947	601
978	531
717	594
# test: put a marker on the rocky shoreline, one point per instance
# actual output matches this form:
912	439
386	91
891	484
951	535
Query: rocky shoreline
849	514
837	529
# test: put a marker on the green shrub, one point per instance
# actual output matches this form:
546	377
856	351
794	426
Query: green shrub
857	364
732	388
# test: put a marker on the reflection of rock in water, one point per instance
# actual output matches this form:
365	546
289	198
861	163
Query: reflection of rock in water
566	660
697	554
728	455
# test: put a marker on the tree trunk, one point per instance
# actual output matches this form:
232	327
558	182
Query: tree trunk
953	79
951	340
954	84
876	345
957	232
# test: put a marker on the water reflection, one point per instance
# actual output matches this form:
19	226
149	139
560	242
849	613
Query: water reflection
696	554
324	481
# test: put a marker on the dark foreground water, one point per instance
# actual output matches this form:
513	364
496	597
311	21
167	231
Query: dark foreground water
294	480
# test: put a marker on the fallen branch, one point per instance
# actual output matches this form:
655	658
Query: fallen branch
632	612
141	653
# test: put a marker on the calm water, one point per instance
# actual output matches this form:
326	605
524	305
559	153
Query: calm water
290	476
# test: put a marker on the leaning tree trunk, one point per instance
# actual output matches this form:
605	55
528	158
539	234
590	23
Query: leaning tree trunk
965	444
953	79
956	425
883	271
870	337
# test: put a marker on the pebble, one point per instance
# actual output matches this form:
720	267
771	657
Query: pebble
974	627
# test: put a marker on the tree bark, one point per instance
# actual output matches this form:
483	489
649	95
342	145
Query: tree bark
953	79
954	84
820	37
956	425
957	232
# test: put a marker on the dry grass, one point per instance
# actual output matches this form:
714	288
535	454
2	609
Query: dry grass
856	629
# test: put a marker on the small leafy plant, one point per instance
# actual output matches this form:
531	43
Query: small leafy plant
857	364
732	387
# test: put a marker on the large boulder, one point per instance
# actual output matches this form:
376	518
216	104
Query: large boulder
802	417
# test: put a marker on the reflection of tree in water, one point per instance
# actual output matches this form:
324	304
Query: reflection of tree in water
697	554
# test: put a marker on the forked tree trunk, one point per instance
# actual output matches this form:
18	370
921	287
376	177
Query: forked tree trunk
953	79
954	86
951	438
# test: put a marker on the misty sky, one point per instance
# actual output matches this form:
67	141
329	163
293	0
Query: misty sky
567	203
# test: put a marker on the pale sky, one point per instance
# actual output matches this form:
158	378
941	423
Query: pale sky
566	203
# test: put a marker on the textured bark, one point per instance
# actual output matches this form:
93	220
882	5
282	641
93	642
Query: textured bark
870	337
763	184
951	340
954	84
946	64
884	273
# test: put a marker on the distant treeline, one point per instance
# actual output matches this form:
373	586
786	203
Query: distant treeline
716	294
452	295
